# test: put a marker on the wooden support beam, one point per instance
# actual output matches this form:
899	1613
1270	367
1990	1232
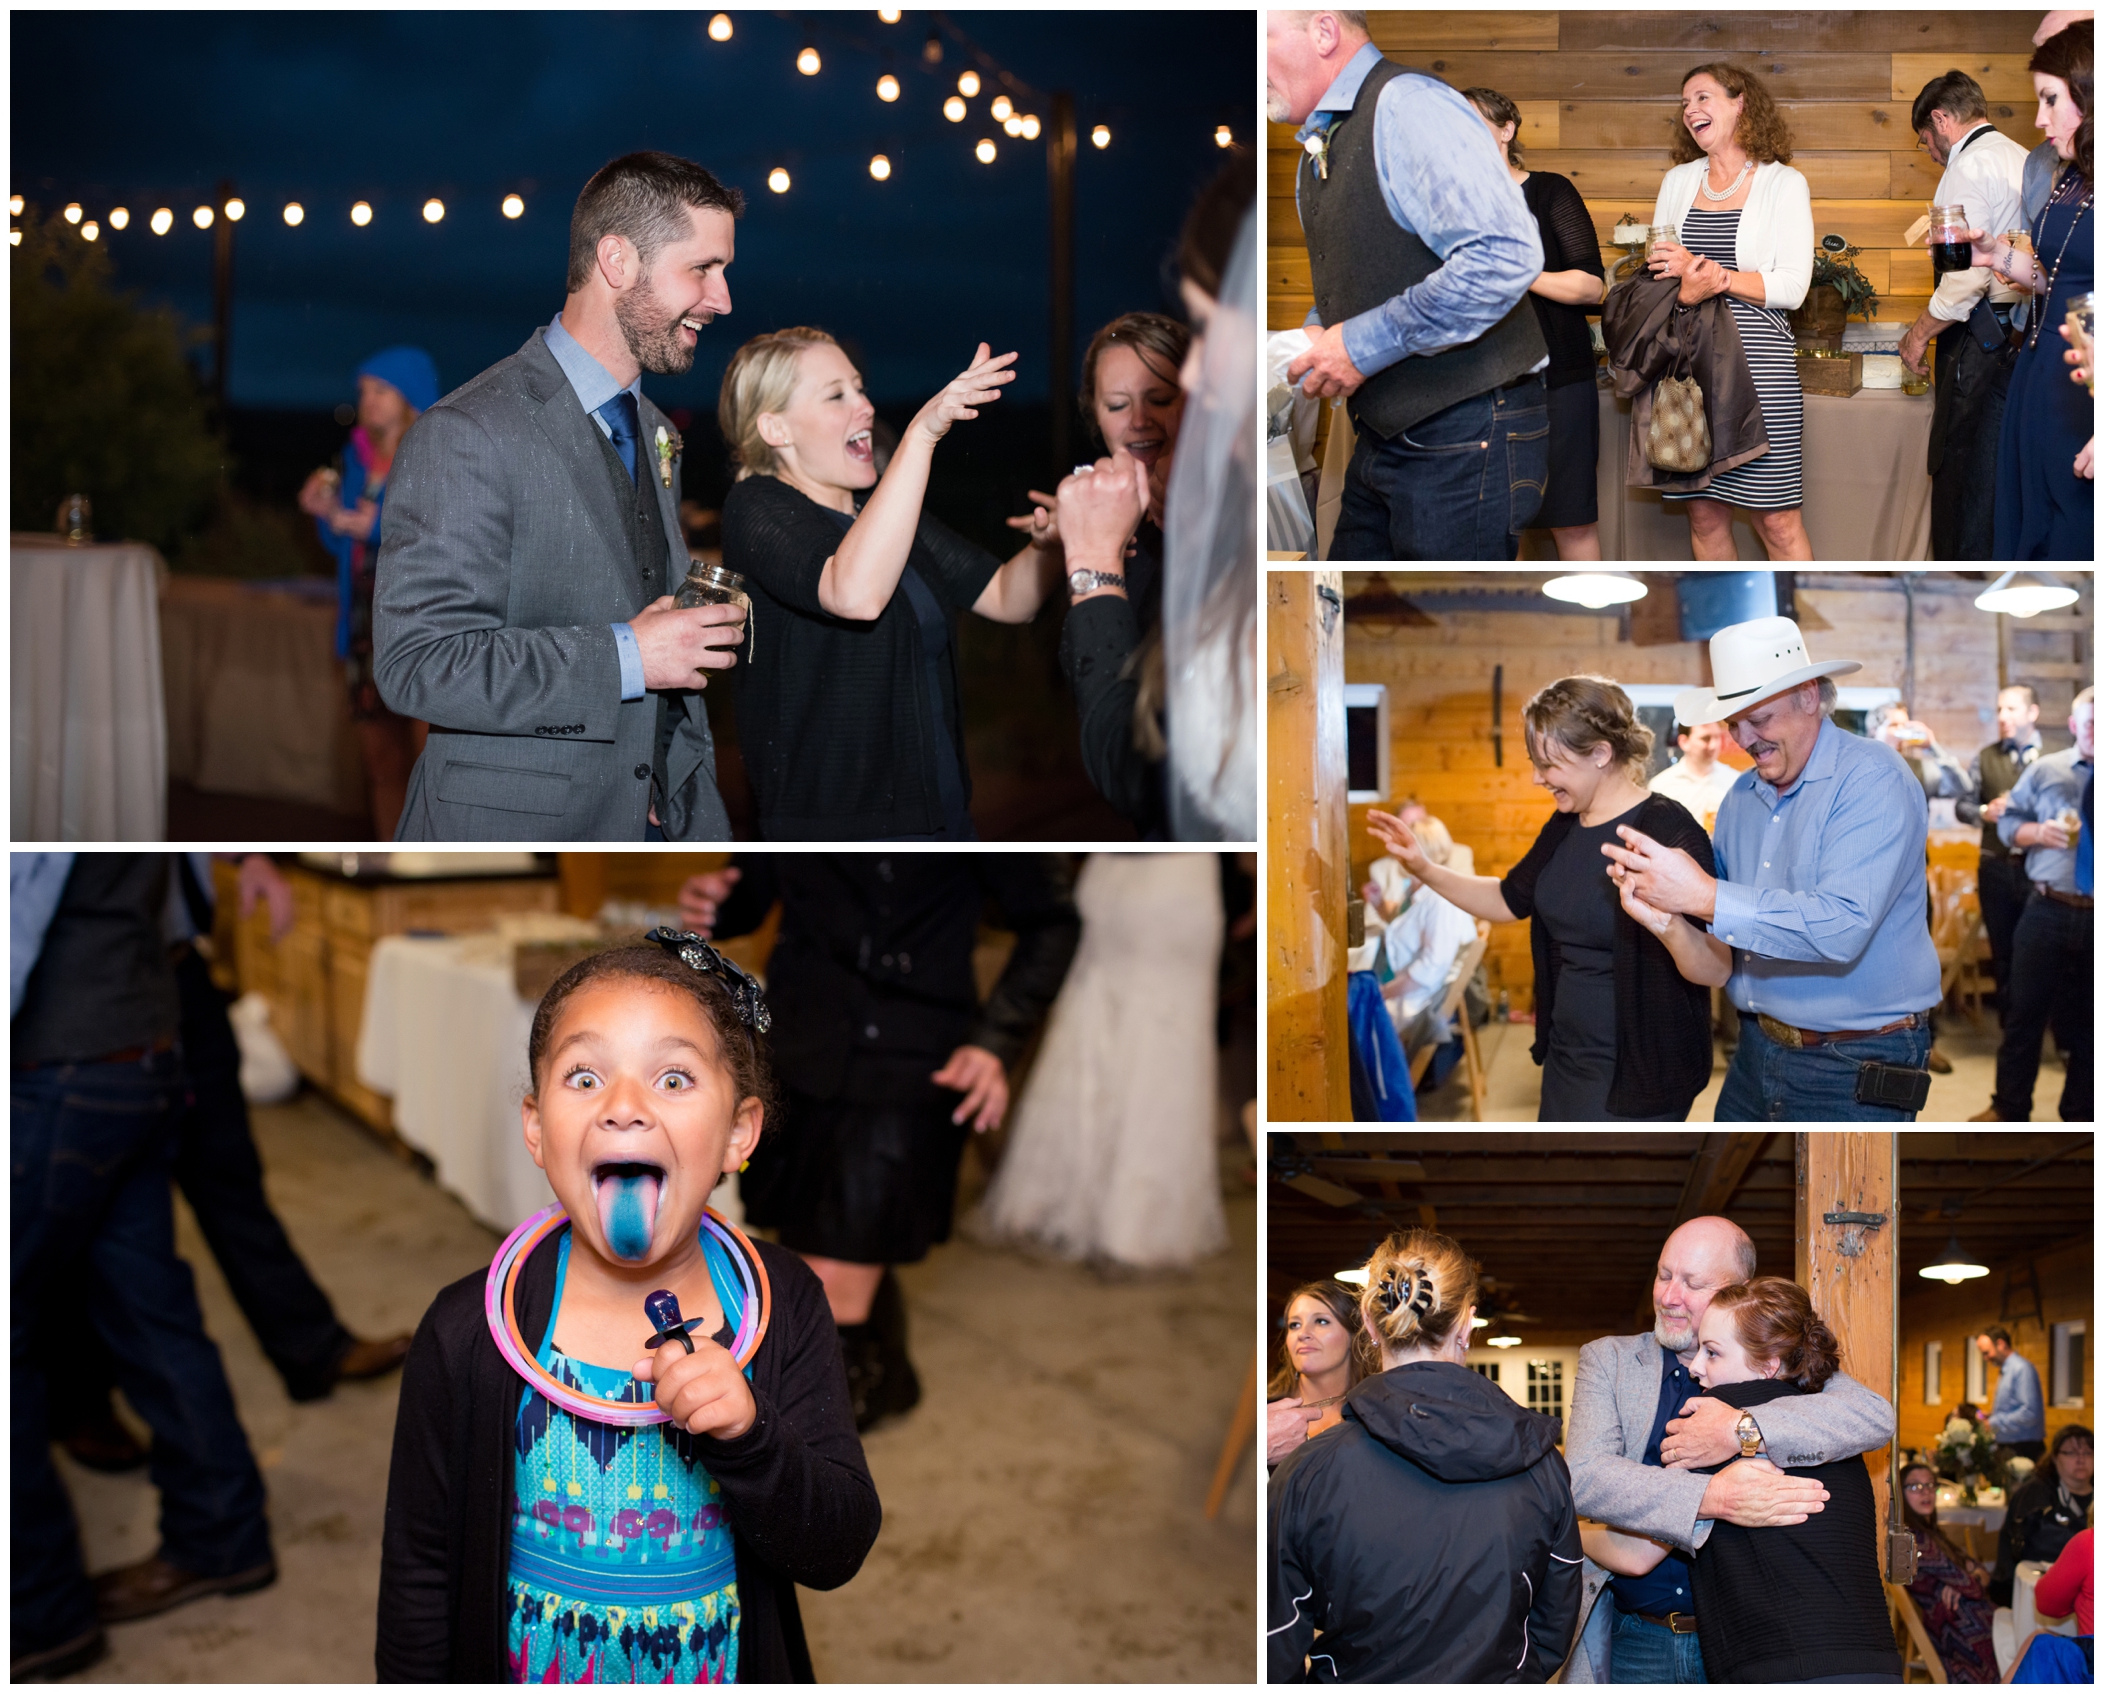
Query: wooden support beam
1719	1166
1851	1272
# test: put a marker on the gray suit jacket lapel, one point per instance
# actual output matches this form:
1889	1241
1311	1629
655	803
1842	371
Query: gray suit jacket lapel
564	423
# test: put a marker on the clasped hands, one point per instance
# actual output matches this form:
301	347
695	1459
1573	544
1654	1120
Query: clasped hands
1700	278
1657	882
1752	1493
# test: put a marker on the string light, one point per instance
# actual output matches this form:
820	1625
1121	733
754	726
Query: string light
887	88
985	150
295	214
889	17
434	210
361	214
1031	127
931	49
120	217
1001	108
720	27
968	85
14	238
162	221
1014	125
236	210
202	217
89	230
73	213
880	168
14	205
953	109
1223	137
513	206
778	180
807	61
1100	135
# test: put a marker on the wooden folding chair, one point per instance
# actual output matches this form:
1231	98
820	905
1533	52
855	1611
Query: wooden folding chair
1955	929
1917	1652
1449	1005
1241	1431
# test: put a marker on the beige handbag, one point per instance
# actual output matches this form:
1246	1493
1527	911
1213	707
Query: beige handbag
1679	437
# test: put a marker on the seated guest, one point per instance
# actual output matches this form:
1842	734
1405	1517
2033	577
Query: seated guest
2049	1508
1323	1354
1422	940
1423	251
1745	222
1949	1587
2071	1585
1790	1602
1572	283
1699	780
850	718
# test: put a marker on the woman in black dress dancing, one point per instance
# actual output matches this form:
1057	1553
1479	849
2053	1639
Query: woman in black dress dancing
1620	1032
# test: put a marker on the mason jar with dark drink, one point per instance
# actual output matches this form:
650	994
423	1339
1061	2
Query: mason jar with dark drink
1950	249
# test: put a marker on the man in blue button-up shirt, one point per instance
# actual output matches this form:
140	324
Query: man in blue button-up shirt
2018	1415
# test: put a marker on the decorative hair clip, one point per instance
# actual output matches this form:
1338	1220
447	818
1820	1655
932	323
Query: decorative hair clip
696	954
1418	1297
1390	1299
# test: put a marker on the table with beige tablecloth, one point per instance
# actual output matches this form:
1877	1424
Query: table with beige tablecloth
88	733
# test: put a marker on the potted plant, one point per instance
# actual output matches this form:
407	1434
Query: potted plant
1839	291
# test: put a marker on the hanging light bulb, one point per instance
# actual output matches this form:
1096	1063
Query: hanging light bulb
888	17
1595	588
1001	108
434	210
931	49
89	230
162	221
1031	127
120	217
720	27
1479	1323
1957	1265
880	168
887	88
202	217
1223	137
513	206
361	214
953	109
985	151
968	85
1355	1275
236	210
778	180
295	214
807	61
14	205
1014	125
2025	599
73	213
14	238
1502	1341
1100	135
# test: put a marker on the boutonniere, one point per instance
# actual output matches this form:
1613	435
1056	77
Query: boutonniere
667	445
1318	146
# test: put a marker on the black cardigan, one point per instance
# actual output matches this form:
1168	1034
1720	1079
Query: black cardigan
1101	649
834	719
798	1494
1662	1028
1795	1601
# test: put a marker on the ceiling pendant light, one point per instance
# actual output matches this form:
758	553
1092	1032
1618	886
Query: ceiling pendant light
2025	599
1957	1266
1595	589
1502	1341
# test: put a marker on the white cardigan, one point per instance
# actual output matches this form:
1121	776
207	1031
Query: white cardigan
1775	229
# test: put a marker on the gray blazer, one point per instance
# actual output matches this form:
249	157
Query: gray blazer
1612	1405
505	560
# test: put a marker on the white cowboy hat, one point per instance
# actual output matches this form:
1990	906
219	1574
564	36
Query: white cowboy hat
1752	662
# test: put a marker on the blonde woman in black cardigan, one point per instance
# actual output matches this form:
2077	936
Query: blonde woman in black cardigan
1621	1028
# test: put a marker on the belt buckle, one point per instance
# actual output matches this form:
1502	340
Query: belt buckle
1680	1623
1782	1034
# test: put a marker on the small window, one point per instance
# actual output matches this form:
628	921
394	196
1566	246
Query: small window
1545	1390
2070	1362
1975	1371
1490	1370
1932	1373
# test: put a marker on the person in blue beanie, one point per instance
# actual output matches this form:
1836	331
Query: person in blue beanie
395	386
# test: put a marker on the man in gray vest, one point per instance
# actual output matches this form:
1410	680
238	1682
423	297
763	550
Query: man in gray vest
1995	772
1422	249
521	602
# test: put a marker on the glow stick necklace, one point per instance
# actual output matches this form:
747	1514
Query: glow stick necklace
498	1294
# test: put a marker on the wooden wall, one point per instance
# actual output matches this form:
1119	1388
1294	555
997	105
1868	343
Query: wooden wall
2066	1281
1439	687
1598	94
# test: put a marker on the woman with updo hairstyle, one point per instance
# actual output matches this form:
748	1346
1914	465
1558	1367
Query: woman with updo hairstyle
1621	1019
1430	1536
849	716
1794	1602
1323	1354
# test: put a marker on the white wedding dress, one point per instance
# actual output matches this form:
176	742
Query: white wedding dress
1112	1156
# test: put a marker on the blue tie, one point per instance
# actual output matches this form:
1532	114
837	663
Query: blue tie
620	416
2085	866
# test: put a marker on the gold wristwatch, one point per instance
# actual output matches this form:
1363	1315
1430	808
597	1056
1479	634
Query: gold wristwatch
1749	1434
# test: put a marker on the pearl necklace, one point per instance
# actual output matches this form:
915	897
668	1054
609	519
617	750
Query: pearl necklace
1709	193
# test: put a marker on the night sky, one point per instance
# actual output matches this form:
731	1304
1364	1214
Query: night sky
151	109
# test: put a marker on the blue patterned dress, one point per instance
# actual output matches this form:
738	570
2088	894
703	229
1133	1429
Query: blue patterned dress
621	1559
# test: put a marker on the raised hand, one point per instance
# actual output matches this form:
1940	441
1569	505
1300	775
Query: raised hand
700	896
1099	508
1041	524
979	384
1402	845
1664	878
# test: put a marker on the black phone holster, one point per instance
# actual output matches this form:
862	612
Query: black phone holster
1891	1085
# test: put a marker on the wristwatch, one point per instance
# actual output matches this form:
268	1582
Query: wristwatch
1087	582
1749	1434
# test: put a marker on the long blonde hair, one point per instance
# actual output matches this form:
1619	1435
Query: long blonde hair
1419	1283
761	378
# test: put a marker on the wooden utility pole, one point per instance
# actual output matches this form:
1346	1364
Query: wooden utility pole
1850	1267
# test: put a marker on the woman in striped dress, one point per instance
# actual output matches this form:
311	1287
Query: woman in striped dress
1745	222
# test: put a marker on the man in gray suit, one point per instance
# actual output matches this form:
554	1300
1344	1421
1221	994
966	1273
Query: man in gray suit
1637	1428
522	597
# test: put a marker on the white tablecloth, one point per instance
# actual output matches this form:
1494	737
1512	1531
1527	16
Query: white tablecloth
89	726
445	1034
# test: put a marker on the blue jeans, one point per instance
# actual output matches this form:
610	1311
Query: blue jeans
1460	484
1650	1652
90	1203
1771	1083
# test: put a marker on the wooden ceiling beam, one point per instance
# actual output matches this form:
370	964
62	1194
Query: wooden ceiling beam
1715	1172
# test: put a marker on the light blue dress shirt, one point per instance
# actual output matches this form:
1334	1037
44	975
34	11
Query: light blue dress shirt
2052	785
1444	179
1822	892
34	883
2019	1411
594	386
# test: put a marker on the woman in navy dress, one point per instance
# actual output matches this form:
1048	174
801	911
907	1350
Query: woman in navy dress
2045	487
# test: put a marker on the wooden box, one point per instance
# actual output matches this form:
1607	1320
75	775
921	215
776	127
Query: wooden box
1829	375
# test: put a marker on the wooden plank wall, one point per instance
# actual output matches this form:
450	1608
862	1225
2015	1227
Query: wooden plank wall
1439	687
1598	94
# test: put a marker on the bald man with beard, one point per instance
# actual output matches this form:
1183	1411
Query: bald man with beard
1638	1430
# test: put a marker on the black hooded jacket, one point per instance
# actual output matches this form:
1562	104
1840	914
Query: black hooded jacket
1430	1537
